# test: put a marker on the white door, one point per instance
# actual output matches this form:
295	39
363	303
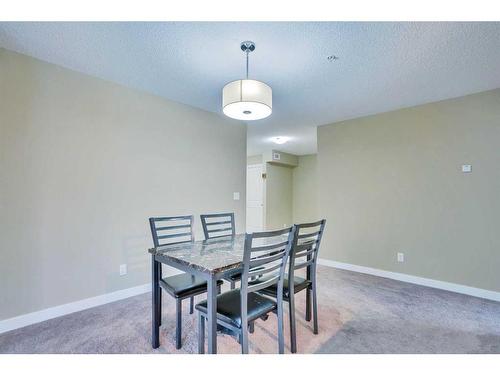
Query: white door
255	191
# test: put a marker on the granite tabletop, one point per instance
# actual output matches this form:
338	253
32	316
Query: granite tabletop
211	256
215	255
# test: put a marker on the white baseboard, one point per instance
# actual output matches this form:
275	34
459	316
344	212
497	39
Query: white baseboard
452	287
68	308
56	311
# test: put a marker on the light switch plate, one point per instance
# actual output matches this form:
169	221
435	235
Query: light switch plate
466	168
276	156
123	269
401	257
236	196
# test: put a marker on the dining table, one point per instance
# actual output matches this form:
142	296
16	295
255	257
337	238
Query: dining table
211	260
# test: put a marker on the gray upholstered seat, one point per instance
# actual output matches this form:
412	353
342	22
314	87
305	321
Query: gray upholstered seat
184	285
299	284
229	306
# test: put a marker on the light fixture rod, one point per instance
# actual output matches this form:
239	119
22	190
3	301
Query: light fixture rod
247	47
247	63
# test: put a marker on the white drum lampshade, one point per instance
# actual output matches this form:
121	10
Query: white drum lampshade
247	99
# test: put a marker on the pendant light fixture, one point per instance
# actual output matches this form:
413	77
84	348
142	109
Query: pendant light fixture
247	99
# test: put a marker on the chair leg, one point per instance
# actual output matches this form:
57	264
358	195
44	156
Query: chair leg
178	323
244	341
315	307
160	292
281	334
159	305
308	304
293	334
201	333
233	285
218	289
251	327
191	305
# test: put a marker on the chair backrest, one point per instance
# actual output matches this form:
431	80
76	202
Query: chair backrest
305	246
218	225
264	260
170	230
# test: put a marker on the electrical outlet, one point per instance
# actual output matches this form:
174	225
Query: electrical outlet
466	168
401	257
123	269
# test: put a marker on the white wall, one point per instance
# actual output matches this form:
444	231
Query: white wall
83	164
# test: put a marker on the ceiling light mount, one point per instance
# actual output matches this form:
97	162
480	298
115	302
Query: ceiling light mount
247	99
280	140
247	46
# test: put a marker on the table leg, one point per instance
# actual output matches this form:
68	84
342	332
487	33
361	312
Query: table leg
156	307
212	315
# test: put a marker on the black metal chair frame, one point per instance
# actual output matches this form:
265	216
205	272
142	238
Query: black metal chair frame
269	259
304	253
226	218
171	220
206	225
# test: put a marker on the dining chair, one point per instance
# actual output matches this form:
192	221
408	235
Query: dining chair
220	225
304	254
265	253
168	231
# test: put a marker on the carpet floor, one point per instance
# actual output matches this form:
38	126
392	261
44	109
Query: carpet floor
357	314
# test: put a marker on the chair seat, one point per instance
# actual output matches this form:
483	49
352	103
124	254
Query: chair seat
234	277
237	276
184	285
229	306
299	283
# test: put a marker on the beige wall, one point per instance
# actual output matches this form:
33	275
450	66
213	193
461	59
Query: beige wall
277	189
254	159
278	194
393	182
290	189
280	158
83	164
305	190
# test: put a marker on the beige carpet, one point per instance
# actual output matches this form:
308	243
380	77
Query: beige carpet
357	314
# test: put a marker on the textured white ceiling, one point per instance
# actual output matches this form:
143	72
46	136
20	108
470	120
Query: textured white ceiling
381	66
